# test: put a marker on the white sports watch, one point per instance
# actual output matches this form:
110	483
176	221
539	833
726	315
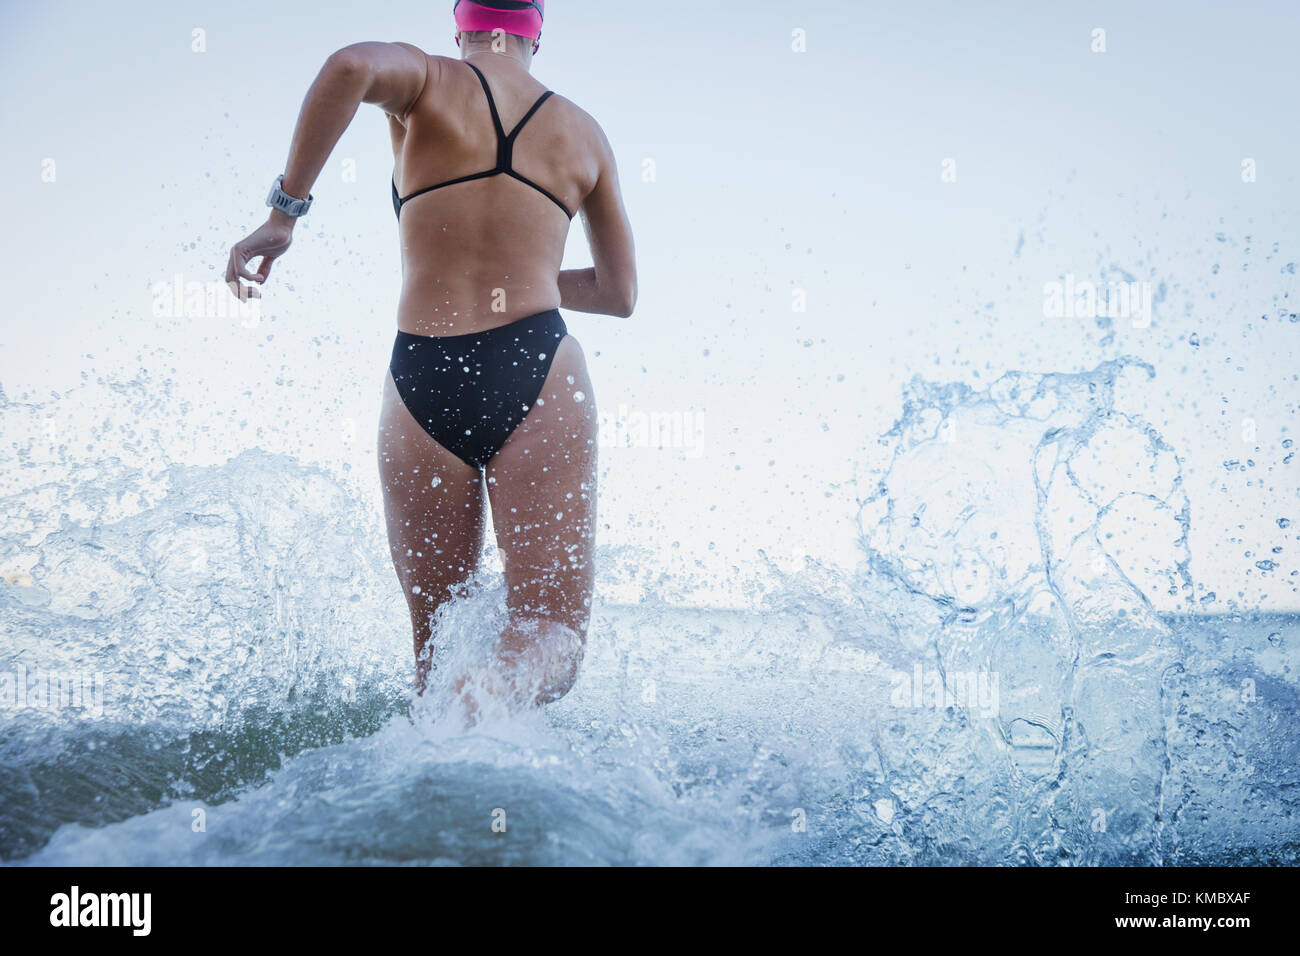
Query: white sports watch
289	205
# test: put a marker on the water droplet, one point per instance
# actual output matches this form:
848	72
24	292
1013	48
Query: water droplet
885	811
579	397
436	482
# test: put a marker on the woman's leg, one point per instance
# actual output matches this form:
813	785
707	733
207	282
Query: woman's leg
542	487
434	506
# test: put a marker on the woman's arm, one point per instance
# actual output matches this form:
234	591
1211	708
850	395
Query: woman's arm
391	75
609	287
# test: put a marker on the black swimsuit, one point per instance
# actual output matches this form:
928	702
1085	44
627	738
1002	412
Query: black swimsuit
470	392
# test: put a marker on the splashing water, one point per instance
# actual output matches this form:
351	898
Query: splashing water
1028	528
210	665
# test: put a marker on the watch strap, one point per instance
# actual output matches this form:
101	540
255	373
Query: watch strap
289	205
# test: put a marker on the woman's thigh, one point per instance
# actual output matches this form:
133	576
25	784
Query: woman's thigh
542	487
434	506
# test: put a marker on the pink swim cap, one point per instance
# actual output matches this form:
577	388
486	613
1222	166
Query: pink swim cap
518	17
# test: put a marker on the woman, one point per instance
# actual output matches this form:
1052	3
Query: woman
487	401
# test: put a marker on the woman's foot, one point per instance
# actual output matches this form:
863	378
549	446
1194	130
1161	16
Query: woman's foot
535	662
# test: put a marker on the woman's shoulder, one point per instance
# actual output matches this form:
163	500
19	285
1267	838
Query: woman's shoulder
578	118
435	61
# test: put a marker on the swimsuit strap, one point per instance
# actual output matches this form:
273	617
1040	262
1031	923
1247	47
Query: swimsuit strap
505	152
491	101
505	142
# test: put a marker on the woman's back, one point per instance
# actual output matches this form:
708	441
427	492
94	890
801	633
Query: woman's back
484	214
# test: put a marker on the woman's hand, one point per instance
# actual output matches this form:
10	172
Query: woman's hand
269	242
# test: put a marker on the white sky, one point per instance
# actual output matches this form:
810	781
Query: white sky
774	170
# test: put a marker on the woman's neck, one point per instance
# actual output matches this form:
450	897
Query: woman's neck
474	49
